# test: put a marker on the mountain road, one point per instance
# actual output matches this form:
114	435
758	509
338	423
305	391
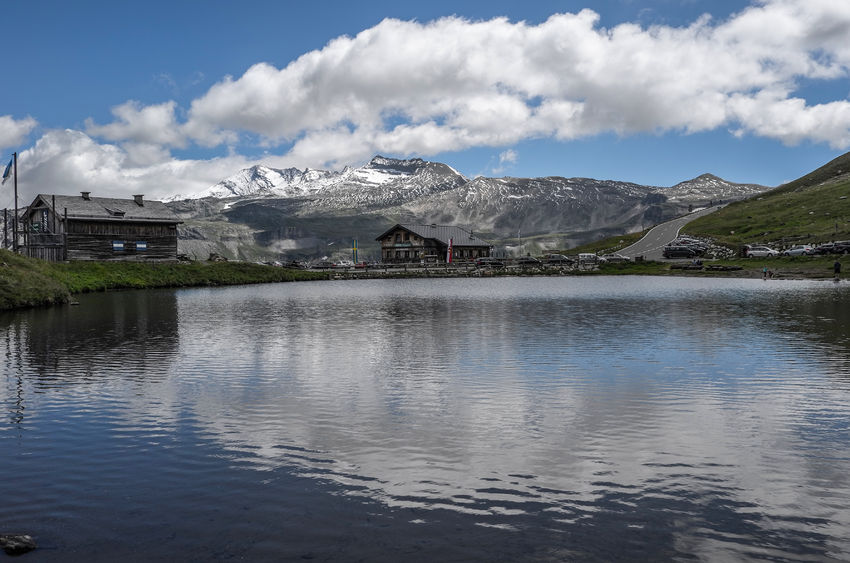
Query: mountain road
652	244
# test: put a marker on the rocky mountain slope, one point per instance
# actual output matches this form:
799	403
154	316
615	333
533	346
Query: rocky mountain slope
312	213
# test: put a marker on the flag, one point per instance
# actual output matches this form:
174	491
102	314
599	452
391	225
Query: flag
449	253
8	171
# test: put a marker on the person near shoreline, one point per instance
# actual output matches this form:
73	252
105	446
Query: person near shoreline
836	268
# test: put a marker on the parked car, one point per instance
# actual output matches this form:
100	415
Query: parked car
799	250
696	244
588	258
559	260
841	247
825	248
528	262
671	251
761	252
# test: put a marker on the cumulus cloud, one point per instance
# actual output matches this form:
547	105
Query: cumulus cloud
13	131
411	88
66	161
155	124
455	84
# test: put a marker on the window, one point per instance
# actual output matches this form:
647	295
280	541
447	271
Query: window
398	237
117	245
406	237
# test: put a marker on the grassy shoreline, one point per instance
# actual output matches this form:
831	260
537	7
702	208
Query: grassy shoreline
25	282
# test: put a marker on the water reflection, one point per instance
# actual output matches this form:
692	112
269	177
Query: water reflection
677	417
133	330
565	403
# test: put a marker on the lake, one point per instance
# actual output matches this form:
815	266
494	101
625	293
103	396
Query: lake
514	419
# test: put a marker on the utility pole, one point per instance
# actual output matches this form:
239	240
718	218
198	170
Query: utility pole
15	218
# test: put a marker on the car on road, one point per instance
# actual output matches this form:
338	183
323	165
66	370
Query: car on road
759	251
673	251
799	250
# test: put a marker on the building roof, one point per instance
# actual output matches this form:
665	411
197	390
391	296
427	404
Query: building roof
442	234
108	208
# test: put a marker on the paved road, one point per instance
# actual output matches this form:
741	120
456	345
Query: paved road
652	244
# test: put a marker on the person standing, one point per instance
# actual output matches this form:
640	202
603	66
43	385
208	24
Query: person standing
837	269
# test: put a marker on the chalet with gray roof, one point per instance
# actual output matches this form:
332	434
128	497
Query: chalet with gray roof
430	243
61	227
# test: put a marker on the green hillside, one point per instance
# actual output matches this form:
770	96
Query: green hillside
812	209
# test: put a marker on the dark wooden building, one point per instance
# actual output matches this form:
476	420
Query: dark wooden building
415	243
60	227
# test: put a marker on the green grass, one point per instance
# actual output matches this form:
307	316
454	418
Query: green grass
25	282
28	283
812	209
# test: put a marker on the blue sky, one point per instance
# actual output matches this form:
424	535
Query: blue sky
171	97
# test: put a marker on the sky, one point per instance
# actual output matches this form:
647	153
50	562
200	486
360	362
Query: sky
164	98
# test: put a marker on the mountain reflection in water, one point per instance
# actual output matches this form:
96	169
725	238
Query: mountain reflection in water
525	418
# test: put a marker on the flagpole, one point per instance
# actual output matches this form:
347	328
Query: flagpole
15	222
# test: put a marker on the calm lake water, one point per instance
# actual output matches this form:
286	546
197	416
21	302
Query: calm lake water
594	418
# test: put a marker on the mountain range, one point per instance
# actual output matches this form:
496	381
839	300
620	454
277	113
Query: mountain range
268	212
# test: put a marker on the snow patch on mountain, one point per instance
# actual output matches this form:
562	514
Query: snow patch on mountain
710	187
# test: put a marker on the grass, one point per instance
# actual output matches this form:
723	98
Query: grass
25	282
812	209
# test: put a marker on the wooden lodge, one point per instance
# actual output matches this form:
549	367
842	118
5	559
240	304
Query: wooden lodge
430	243
59	227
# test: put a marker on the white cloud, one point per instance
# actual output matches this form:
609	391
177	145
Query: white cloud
508	156
150	125
68	161
13	131
456	83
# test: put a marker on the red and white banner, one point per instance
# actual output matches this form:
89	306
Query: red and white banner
449	254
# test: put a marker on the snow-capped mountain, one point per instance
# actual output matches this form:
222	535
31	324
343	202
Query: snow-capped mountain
382	181
293	209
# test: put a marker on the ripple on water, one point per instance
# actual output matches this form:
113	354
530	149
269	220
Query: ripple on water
545	418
